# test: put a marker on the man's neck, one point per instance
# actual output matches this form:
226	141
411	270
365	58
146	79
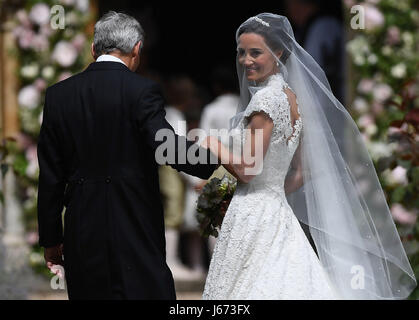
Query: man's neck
124	58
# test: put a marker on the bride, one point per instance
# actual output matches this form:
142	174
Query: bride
310	166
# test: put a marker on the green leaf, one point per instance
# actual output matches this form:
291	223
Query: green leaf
398	194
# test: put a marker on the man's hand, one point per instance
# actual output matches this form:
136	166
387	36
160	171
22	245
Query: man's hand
54	255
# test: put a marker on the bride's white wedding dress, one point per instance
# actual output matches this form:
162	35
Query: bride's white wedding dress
262	251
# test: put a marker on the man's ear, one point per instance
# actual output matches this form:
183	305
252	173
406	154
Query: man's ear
137	49
92	51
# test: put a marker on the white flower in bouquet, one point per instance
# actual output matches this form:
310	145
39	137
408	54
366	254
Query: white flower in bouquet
382	92
47	72
40	14
29	97
366	85
29	71
399	70
403	216
65	54
360	105
373	17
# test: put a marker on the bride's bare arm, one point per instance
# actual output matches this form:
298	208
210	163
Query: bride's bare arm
295	180
253	151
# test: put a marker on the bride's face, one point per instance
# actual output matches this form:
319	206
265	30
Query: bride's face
255	57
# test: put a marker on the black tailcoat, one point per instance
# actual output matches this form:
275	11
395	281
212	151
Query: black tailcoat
96	154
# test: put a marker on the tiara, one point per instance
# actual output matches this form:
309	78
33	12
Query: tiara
266	24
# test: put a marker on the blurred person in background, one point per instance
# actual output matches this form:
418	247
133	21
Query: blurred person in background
179	93
320	33
192	241
217	115
318	30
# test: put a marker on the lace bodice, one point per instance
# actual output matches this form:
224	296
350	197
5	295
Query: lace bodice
271	98
261	251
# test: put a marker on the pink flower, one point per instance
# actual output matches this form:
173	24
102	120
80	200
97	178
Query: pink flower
32	238
79	41
31	153
29	97
23	18
401	215
393	35
365	85
25	38
365	121
65	54
40	84
32	157
64	75
349	3
377	108
23	141
373	17
382	92
46	30
398	175
40	42
40	14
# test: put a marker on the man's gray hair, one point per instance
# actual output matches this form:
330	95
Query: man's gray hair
116	31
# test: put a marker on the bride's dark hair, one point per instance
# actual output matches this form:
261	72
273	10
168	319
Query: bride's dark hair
274	37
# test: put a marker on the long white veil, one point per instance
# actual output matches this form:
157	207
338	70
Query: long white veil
341	199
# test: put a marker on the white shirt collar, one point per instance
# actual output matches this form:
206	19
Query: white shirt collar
108	57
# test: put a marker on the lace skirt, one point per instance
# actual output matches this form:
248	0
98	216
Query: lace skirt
263	253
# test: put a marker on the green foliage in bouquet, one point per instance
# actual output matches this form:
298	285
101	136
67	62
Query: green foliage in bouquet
213	203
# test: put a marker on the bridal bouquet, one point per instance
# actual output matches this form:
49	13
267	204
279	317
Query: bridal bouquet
213	203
